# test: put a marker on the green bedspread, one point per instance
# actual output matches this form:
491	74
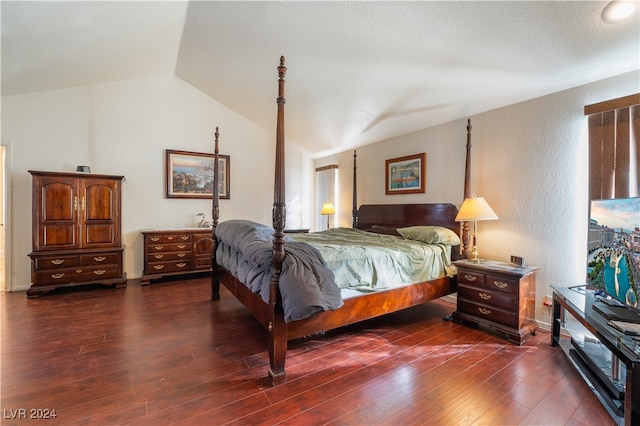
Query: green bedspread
368	261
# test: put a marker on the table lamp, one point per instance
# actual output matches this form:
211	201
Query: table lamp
474	209
328	209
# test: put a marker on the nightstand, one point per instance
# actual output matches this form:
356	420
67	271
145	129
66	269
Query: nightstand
498	295
297	231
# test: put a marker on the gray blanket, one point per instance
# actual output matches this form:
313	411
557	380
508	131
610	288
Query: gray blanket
306	284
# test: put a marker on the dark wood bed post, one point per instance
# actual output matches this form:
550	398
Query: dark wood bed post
465	250
215	216
277	328
354	210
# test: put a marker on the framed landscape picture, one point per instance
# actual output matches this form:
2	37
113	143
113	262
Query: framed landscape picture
190	175
406	175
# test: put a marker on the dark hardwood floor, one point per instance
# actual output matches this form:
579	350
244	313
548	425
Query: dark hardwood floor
166	354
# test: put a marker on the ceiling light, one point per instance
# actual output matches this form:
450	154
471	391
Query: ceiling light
618	11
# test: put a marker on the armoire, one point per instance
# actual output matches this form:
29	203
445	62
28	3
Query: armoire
77	236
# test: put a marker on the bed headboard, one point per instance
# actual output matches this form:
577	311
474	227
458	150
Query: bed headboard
387	218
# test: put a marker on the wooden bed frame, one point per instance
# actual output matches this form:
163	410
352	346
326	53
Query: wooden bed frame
376	218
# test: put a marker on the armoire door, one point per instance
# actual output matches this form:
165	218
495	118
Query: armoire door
99	213
55	205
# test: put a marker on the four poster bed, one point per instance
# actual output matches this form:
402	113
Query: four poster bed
298	285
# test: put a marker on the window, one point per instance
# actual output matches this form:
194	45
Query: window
326	190
614	148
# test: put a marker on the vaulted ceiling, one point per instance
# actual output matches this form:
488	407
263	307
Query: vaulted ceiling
358	72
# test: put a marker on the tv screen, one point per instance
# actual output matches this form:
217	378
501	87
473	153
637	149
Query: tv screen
614	248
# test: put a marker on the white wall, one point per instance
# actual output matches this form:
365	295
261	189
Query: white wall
124	128
529	161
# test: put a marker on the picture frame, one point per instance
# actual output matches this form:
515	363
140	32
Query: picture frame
406	175
190	175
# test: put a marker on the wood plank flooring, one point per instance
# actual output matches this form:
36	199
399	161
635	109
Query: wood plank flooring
166	354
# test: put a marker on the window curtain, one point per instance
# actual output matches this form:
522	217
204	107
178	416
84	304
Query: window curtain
614	148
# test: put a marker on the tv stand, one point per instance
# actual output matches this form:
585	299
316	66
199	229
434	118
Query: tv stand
608	360
615	312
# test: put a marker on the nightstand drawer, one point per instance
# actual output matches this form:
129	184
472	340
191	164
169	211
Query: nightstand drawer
472	278
488	297
489	313
494	282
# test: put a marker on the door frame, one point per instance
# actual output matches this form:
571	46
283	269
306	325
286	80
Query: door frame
5	193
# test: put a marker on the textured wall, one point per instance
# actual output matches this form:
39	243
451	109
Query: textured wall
529	161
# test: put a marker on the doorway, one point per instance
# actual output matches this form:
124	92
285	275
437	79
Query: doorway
3	219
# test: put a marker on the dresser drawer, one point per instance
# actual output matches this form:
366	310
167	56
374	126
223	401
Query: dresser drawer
169	266
77	274
100	272
164	257
165	248
203	262
168	238
484	296
489	313
55	262
100	259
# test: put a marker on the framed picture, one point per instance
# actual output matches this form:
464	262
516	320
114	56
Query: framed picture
190	175
406	175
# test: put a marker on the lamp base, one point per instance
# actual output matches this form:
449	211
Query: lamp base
474	255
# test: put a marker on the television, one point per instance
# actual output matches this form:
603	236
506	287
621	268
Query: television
614	251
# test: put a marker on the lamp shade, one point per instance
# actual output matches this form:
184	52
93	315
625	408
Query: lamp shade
327	208
475	208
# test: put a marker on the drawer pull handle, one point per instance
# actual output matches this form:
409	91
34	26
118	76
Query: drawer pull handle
181	265
99	272
57	276
181	246
182	254
484	296
500	284
170	238
99	258
484	311
158	267
469	277
184	237
159	247
159	256
154	239
57	261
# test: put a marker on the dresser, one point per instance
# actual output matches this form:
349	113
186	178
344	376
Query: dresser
498	295
169	252
76	236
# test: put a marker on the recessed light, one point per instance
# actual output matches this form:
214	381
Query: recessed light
618	11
